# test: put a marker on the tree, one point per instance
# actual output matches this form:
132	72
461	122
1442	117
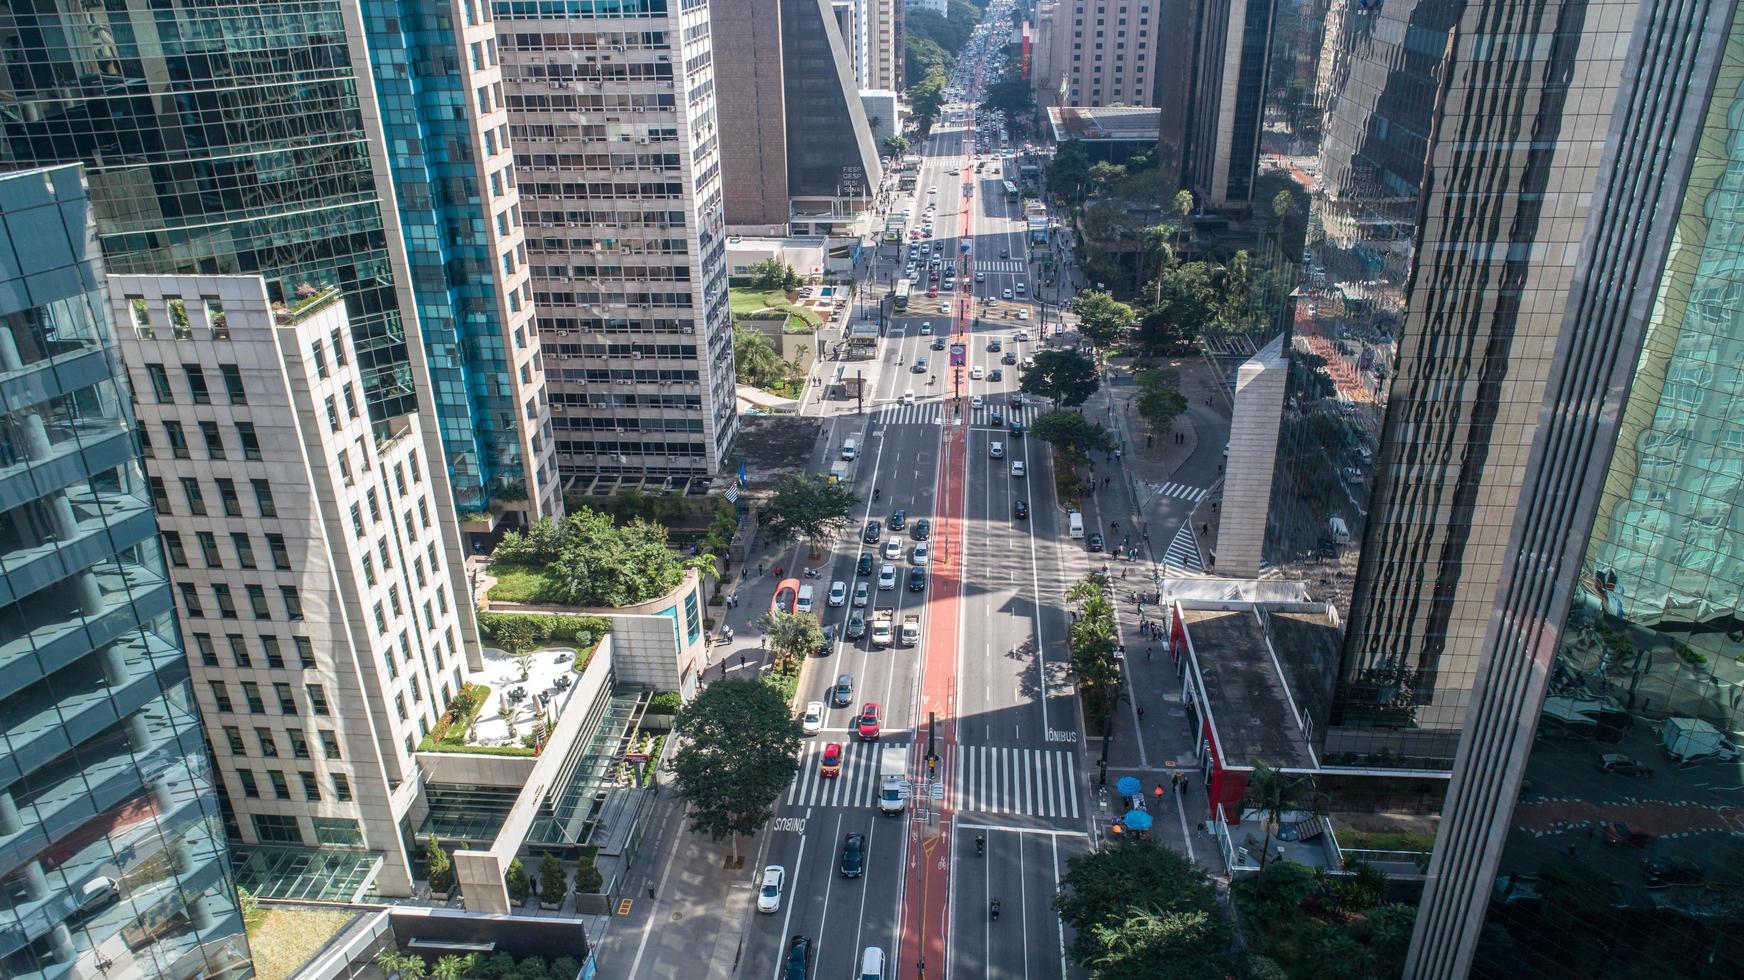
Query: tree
1157	240
588	880
896	144
791	635
807	506
1283	205
1143	911
1275	793
1070	170
755	360
455	967
516	882
1061	428
1104	174
516	635
406	966
1187	304
438	869
1160	400
1067	377
552	881
773	274
738	752
1102	319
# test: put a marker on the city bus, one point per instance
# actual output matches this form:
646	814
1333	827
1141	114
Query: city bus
1010	191
902	289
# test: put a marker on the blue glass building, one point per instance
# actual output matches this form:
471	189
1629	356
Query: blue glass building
459	211
112	849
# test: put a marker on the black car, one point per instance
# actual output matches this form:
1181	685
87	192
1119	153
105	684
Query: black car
917	579
866	562
996	375
798	958
919	365
874	531
828	646
1009	358
1020	508
1095	542
994	418
1016	427
853	855
923	529
856	626
993	345
938	343
898	520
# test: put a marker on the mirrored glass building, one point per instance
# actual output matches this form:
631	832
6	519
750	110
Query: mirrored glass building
112	848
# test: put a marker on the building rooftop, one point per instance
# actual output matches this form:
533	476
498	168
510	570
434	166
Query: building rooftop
1134	123
1253	714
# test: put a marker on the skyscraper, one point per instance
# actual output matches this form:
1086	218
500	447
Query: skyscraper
111	843
327	621
248	139
439	84
617	154
1589	828
1112	53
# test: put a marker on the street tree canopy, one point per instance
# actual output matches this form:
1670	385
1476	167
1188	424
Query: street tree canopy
895	144
1187	305
809	506
791	635
1102	319
1067	377
1061	428
1160	400
1143	912
738	752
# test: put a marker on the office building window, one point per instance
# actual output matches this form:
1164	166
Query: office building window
317	698
277	828
305	652
214	439
233	384
257	602
160	497
281	557
244	549
209	549
250	443
191	600
337	831
239	650
226	605
197	384
208	652
269	746
227	497
233	735
329	744
196	499
263	498
270	646
176	439
311	789
246	778
281	786
160	384
341	787
287	703
177	554
251	694
299	743
293	602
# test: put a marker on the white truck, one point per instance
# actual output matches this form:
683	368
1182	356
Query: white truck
881	628
910	629
893	779
1693	740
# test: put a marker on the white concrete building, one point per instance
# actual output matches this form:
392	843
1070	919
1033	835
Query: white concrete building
314	559
616	152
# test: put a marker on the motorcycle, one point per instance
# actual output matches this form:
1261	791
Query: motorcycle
980	845
994	909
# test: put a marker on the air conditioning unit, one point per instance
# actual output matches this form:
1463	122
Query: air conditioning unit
562	333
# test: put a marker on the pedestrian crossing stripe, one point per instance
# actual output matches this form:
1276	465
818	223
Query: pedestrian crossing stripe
933	413
1183	551
856	786
1031	782
1000	265
1180	490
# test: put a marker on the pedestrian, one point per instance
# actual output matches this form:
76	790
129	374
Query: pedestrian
759	568
650	893
741	661
1141	712
1158	792
1149	440
1148	651
1123	573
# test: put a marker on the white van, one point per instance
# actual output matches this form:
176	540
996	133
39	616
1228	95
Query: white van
1074	524
850	449
872	964
1340	531
804	603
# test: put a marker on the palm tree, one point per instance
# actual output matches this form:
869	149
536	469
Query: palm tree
1156	240
1274	793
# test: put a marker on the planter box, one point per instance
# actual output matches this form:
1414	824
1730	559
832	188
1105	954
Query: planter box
547	906
441	896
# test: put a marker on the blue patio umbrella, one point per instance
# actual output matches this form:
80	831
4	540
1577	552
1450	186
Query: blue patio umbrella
1128	785
1137	820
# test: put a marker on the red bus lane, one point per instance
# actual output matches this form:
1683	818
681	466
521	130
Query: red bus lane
927	889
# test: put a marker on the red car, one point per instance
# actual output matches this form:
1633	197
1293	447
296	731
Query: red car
932	290
831	766
867	724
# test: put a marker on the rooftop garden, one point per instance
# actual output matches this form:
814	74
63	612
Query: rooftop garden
281	940
587	559
451	729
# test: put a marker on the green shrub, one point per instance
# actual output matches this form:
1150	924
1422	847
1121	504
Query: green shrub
522	632
588	880
517	883
551	879
665	703
533	968
439	869
498	967
565	968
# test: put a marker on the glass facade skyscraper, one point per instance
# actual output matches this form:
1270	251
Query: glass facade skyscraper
112	850
1591	829
219	138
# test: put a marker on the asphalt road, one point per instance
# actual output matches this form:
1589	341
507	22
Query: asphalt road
1017	776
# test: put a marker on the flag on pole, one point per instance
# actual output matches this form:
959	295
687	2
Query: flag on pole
742	480
732	495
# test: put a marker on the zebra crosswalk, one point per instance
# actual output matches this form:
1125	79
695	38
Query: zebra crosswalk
1181	490
1183	551
1000	265
1034	782
930	413
856	786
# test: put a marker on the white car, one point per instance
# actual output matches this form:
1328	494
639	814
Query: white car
862	595
769	895
976	373
1023	313
976	401
893	549
838	592
922	553
996	450
812	721
926	328
908	397
980	277
1017	467
1005	294
886	577
945	307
